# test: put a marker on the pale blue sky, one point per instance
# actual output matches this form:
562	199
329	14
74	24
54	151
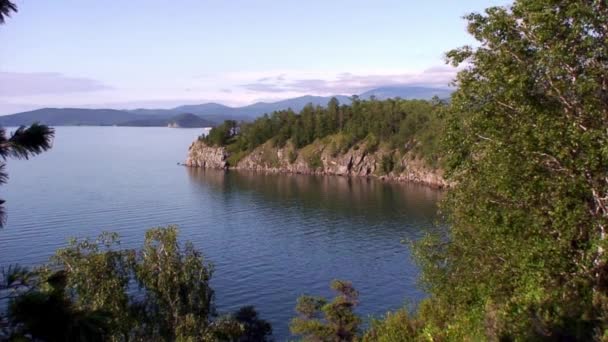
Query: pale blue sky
160	53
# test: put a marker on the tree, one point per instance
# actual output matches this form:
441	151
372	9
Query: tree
320	320
50	316
160	292
178	299
255	329
6	7
22	144
525	256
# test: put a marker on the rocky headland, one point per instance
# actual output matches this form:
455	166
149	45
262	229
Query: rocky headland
320	159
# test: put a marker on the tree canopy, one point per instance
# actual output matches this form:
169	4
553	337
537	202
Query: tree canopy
401	124
526	145
94	290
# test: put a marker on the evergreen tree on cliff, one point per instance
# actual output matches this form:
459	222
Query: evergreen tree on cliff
527	252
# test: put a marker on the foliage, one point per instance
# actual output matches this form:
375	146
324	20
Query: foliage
221	135
255	329
51	316
525	139
314	161
160	292
236	157
395	326
292	156
526	145
320	320
97	277
6	7
178	299
387	164
23	143
397	122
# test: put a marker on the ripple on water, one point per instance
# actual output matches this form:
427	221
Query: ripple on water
271	238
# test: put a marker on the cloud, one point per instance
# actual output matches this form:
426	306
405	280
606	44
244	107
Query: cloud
42	83
348	83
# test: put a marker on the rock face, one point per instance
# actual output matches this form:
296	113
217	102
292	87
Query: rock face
201	155
318	159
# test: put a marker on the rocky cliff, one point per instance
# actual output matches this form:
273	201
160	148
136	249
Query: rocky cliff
201	155
319	158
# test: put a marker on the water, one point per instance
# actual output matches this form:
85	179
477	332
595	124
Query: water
270	237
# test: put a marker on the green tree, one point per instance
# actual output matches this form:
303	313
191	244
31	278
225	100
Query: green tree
255	328
179	300
158	293
97	276
525	257
320	320
50	315
222	134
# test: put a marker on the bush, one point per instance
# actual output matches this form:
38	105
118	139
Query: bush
314	161
91	296
320	320
371	143
387	164
395	326
292	156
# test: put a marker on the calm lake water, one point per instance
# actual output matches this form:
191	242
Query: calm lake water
270	237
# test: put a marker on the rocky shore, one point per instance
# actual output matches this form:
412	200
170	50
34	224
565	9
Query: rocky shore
318	159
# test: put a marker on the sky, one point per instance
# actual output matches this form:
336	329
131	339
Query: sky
162	53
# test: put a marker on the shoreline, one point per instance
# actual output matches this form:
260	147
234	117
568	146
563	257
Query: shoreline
383	178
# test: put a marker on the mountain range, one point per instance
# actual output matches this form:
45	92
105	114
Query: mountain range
202	115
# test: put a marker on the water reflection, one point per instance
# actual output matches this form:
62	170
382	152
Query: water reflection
271	237
369	199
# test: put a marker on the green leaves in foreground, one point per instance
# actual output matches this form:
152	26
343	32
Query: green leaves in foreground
320	320
526	147
526	255
158	293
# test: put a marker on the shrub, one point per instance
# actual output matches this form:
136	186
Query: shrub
314	161
387	164
292	156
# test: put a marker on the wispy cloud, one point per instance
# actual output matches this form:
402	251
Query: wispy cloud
23	91
349	83
42	83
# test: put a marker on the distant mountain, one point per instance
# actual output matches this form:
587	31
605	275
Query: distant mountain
296	103
217	112
69	117
210	113
186	120
407	93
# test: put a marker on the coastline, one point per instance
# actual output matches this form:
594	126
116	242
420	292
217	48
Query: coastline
317	160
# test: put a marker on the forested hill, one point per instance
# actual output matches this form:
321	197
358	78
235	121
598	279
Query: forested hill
392	138
214	113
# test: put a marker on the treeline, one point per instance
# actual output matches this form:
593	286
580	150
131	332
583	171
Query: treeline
399	124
